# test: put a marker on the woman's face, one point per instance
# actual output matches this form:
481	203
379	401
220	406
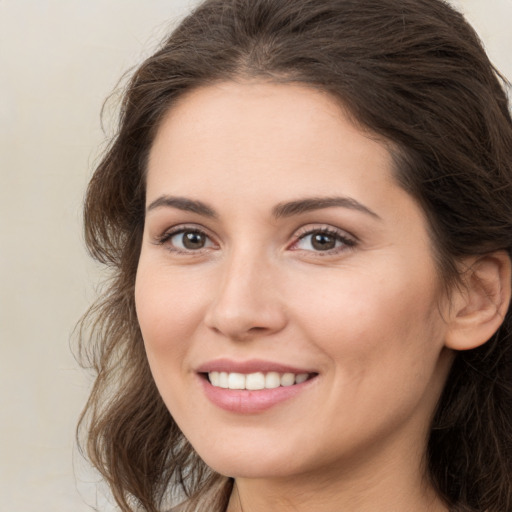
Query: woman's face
286	289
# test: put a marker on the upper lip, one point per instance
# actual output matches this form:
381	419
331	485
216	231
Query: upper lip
249	366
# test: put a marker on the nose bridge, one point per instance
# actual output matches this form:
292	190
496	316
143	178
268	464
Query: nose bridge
247	301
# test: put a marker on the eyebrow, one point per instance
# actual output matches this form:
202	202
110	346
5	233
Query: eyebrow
286	209
318	203
182	203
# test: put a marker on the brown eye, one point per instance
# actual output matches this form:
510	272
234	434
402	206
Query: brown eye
323	241
187	240
193	240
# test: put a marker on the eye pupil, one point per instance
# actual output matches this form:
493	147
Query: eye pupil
193	240
323	242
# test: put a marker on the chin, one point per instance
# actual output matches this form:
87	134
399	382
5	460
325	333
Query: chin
256	465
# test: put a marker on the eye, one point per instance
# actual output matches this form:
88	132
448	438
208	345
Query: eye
323	240
186	240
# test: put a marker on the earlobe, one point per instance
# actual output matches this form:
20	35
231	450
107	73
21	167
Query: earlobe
480	305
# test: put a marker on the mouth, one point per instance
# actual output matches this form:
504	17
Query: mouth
253	386
255	381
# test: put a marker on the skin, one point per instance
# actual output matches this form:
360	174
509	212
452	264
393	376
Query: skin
368	316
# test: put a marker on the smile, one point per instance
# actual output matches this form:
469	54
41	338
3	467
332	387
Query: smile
254	386
255	381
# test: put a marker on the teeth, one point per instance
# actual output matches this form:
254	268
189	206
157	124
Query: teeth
223	380
288	379
302	377
255	381
215	379
236	381
272	380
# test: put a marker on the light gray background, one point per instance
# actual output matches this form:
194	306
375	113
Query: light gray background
59	59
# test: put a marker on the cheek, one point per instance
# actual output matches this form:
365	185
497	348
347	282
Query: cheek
167	317
166	313
368	316
382	339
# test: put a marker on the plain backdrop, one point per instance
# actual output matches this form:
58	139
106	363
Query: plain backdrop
59	59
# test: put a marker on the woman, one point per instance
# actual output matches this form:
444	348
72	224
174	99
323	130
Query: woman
308	214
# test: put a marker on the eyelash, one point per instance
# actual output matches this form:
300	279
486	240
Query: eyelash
347	241
168	235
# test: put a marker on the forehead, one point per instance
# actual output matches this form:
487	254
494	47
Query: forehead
259	132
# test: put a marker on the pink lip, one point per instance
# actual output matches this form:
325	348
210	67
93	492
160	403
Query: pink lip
244	401
250	366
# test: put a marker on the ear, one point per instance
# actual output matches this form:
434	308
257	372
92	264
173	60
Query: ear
481	303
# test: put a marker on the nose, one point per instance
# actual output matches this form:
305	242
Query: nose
247	302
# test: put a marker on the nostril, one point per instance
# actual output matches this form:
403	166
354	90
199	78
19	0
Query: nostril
242	318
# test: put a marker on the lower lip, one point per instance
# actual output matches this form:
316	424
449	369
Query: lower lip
251	402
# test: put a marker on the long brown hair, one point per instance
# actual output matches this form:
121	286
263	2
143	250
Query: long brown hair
413	72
